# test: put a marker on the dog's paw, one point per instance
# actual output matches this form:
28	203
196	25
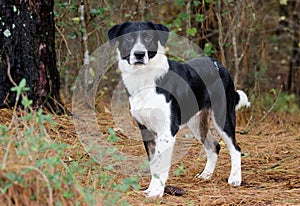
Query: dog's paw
204	175
235	180
154	192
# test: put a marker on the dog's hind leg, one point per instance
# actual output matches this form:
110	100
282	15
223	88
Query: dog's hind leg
199	125
228	136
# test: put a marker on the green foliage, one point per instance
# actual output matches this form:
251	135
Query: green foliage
112	137
197	3
127	183
199	17
208	49
37	157
26	102
20	88
192	31
99	11
184	16
180	2
276	101
180	171
285	102
283	2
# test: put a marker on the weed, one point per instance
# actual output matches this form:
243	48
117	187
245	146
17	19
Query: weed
34	163
180	171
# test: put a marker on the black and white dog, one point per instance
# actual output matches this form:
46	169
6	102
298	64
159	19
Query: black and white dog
165	95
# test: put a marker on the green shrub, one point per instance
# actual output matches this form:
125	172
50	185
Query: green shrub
38	168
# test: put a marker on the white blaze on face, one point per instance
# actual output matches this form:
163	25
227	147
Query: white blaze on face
138	47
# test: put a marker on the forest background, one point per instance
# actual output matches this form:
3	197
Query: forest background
257	40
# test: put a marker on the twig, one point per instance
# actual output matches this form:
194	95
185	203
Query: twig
64	39
188	21
235	54
14	83
8	71
14	116
14	112
264	117
6	154
238	59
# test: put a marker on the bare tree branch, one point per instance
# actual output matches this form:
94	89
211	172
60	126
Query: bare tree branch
86	58
220	39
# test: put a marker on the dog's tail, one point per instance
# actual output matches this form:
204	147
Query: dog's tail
241	100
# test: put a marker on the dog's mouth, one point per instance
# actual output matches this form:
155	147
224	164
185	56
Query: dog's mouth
139	63
136	60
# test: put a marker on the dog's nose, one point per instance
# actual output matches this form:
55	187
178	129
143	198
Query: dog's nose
139	55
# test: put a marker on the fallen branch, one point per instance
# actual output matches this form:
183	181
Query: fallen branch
246	131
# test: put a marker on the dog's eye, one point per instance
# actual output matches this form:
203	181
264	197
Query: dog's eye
130	38
148	39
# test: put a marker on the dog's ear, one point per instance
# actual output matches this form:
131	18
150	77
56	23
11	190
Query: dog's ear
113	33
163	33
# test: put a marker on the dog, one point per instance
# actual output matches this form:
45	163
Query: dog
165	95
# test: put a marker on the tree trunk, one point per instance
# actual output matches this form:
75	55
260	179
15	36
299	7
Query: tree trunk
290	23
294	76
27	34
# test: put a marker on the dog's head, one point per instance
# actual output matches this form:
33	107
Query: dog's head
138	41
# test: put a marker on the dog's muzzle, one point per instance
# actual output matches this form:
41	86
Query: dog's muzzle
139	57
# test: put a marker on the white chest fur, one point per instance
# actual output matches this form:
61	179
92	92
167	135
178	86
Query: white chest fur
146	105
151	109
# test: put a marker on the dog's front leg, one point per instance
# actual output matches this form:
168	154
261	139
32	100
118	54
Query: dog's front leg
160	164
